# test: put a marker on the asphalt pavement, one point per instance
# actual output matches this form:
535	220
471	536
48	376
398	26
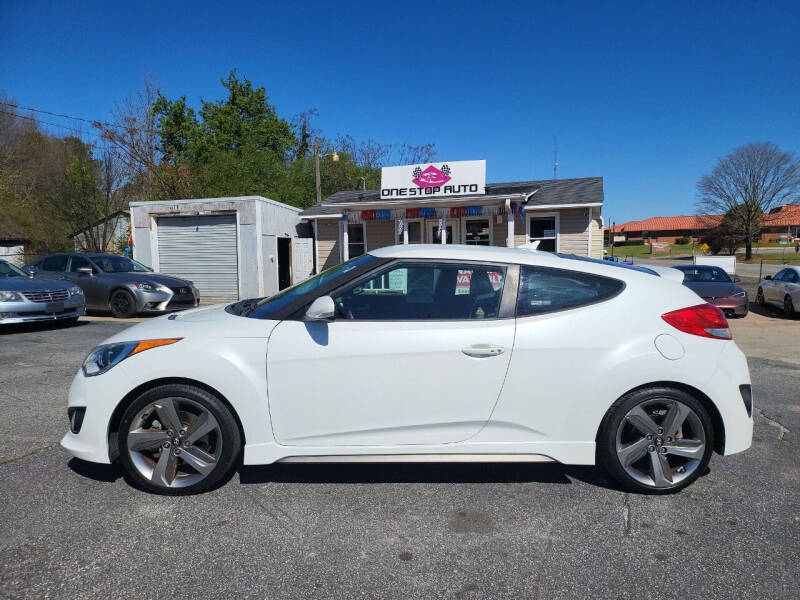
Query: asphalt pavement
71	529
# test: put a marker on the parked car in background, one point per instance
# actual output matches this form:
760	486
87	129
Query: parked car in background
117	283
782	290
393	356
24	299
716	287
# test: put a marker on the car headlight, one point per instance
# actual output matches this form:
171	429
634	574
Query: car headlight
75	291
143	285
102	358
740	294
6	296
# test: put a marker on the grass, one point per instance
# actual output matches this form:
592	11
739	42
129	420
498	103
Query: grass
781	254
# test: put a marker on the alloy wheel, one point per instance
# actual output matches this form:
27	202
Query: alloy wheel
174	442
788	306
660	442
760	297
121	304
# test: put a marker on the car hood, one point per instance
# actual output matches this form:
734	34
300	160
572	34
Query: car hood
24	284
158	278
205	322
713	289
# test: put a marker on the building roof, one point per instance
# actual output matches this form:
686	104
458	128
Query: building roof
787	215
679	223
585	190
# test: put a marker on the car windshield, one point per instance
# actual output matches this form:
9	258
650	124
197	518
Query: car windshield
268	306
119	264
9	270
705	274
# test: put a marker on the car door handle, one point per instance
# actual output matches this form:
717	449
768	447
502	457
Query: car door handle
483	350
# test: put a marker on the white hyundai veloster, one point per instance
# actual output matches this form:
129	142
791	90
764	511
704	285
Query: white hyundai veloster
425	353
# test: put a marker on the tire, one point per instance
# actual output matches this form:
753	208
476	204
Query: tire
760	297
122	304
788	306
660	464
192	464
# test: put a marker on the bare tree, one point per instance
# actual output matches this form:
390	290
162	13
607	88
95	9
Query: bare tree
412	155
746	185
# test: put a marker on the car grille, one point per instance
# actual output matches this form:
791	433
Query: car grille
182	291
54	296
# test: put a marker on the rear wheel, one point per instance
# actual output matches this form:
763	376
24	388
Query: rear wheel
178	440
656	440
788	306
122	304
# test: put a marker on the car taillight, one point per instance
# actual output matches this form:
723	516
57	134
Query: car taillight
704	320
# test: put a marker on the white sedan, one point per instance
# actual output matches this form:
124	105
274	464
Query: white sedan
782	290
424	353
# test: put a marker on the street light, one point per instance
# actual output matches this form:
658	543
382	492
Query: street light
334	157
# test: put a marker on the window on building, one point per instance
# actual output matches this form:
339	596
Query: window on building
544	231
477	232
355	240
55	263
543	290
414	291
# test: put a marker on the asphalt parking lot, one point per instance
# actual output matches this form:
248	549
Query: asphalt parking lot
71	529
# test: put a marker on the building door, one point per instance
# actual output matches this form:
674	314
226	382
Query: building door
284	262
434	234
202	249
302	259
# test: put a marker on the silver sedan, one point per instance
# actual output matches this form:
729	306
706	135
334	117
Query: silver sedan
24	299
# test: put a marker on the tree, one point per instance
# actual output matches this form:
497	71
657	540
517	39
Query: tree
746	185
727	236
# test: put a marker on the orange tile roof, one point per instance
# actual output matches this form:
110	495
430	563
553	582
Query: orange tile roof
787	215
680	223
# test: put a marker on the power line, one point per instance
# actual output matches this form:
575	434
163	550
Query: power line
93	122
37	120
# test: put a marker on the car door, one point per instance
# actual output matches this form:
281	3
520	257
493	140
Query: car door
93	289
773	288
417	354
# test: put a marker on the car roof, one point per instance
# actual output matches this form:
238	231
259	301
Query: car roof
521	255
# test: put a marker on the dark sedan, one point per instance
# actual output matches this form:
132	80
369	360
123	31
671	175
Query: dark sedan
116	283
716	287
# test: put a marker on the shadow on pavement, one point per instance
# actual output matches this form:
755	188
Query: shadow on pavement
39	326
423	473
95	471
768	310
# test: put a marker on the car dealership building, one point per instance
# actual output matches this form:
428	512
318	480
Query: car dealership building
449	202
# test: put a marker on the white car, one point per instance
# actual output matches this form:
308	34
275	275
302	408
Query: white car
782	290
424	353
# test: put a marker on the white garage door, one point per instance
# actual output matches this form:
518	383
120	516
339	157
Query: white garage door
202	250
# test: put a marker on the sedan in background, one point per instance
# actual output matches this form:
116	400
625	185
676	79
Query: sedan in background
716	287
424	353
782	290
24	299
116	283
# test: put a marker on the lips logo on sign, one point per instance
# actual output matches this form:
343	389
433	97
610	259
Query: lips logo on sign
431	176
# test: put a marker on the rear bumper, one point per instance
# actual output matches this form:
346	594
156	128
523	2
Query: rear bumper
724	388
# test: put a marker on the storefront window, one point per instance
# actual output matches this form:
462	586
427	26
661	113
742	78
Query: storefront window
476	232
543	230
355	239
414	232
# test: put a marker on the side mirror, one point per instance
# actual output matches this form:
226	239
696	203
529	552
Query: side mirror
321	309
85	271
768	277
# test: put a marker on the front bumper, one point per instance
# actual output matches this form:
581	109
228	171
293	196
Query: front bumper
32	312
165	301
734	306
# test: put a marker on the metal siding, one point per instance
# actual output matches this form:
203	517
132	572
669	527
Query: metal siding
202	249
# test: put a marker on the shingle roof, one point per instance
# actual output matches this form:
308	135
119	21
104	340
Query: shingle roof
586	190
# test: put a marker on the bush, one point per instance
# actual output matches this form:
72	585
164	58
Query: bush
683	241
630	243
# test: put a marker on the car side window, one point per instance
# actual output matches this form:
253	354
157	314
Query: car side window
79	262
790	276
55	263
779	275
416	291
543	290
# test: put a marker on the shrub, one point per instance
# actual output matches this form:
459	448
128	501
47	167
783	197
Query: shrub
682	241
630	243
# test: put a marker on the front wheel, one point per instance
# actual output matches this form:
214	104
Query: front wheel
122	304
656	440
177	440
760	297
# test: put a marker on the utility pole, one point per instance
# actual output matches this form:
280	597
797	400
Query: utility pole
316	172
611	235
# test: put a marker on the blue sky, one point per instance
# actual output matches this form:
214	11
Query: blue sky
646	95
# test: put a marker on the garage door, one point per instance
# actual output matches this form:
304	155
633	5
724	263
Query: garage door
202	250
